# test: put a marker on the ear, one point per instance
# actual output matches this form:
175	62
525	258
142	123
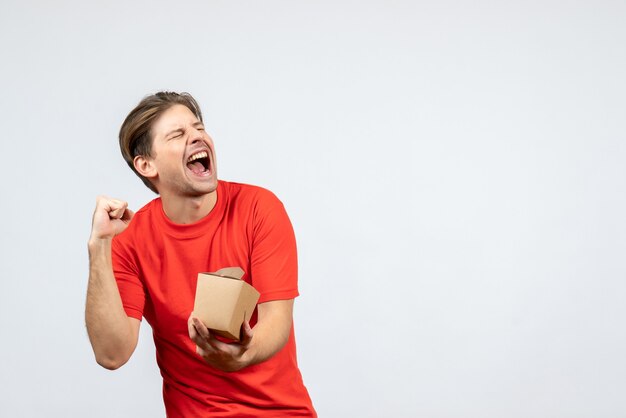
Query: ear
145	166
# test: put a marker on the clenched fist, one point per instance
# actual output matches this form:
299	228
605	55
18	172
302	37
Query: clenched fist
110	218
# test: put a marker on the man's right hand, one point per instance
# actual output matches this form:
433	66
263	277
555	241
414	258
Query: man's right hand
112	333
110	218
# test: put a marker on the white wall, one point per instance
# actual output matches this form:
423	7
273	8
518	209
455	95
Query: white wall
454	172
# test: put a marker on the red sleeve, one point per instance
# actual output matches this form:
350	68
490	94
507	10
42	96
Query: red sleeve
127	278
273	261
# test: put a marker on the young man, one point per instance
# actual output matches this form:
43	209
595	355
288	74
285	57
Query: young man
146	265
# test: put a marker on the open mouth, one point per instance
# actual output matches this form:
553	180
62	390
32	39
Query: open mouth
199	163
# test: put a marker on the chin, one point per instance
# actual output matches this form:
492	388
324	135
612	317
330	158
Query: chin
204	189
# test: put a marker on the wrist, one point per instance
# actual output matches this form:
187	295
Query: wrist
97	243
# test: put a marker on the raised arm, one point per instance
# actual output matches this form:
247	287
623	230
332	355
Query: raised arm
113	335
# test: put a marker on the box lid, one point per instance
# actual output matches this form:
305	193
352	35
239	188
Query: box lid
229	272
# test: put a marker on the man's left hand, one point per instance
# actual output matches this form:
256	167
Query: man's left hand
228	357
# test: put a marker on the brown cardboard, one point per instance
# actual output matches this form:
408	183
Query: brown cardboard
223	301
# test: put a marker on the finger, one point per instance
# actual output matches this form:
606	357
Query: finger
192	330
201	343
207	338
128	215
117	212
218	345
107	203
246	333
201	351
101	199
201	328
102	205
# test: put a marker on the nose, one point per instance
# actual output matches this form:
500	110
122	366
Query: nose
196	136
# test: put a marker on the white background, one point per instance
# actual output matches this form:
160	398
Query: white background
455	173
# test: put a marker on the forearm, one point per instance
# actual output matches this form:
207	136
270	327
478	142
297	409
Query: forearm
111	333
271	332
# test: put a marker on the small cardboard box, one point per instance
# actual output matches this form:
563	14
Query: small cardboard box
223	301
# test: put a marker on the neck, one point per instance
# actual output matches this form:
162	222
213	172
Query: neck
188	210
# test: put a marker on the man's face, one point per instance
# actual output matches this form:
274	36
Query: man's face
183	154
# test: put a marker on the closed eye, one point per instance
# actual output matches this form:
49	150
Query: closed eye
175	135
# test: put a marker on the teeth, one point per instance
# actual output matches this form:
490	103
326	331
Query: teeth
197	156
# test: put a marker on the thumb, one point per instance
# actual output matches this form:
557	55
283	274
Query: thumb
117	213
246	333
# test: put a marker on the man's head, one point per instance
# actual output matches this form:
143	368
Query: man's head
136	134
